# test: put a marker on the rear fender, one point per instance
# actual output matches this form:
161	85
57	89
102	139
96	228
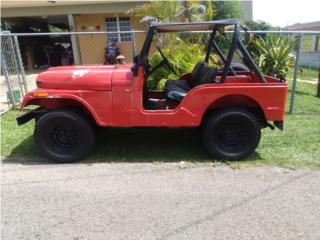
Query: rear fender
238	100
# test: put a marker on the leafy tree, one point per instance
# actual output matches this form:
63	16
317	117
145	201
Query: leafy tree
191	11
258	25
169	11
163	11
226	9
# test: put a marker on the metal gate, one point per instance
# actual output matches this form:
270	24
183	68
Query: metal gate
13	81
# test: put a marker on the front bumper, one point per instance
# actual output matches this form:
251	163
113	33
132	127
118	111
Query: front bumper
30	115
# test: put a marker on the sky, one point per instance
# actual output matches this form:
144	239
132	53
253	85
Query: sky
286	12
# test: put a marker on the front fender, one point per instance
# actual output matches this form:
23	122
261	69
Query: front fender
97	103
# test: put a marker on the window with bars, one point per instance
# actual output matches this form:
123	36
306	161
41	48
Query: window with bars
118	24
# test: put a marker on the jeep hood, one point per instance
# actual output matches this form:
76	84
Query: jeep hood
91	77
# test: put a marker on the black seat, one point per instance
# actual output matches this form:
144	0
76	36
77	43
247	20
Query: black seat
201	74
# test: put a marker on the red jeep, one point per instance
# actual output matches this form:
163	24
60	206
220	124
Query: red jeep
230	104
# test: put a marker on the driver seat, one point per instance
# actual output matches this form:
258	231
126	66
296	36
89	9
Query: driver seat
201	74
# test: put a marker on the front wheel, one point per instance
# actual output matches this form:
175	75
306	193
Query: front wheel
231	134
64	136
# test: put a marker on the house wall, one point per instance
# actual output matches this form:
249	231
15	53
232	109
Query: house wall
92	47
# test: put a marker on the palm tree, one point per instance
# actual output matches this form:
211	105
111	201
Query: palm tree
191	11
170	11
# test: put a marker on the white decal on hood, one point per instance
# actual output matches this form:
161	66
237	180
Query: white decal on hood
79	73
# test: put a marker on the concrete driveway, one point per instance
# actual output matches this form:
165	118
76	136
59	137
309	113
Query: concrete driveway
158	201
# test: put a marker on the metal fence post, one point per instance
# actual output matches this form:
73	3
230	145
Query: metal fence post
318	84
295	75
20	64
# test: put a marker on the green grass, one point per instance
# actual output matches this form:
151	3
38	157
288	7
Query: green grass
309	74
307	43
297	146
305	101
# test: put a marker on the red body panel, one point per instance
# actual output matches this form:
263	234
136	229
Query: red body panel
95	77
113	96
97	103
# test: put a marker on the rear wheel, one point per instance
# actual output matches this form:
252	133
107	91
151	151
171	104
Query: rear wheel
231	134
64	136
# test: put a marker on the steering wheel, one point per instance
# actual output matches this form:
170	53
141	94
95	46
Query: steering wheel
164	61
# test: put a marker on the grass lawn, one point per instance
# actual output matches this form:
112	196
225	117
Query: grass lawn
297	146
307	43
309	74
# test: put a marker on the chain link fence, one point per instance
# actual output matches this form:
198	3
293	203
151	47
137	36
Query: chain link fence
23	56
43	50
303	78
13	82
306	75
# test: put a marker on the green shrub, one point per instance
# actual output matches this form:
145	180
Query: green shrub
273	55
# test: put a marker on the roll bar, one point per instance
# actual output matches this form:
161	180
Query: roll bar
212	25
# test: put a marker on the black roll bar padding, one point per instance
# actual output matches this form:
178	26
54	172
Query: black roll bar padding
247	56
232	49
144	51
212	43
219	52
147	43
213	33
221	55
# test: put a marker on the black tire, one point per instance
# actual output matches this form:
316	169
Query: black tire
231	134
64	136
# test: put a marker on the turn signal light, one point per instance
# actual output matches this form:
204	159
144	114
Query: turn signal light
40	94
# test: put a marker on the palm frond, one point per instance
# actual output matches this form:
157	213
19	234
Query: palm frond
273	55
149	19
